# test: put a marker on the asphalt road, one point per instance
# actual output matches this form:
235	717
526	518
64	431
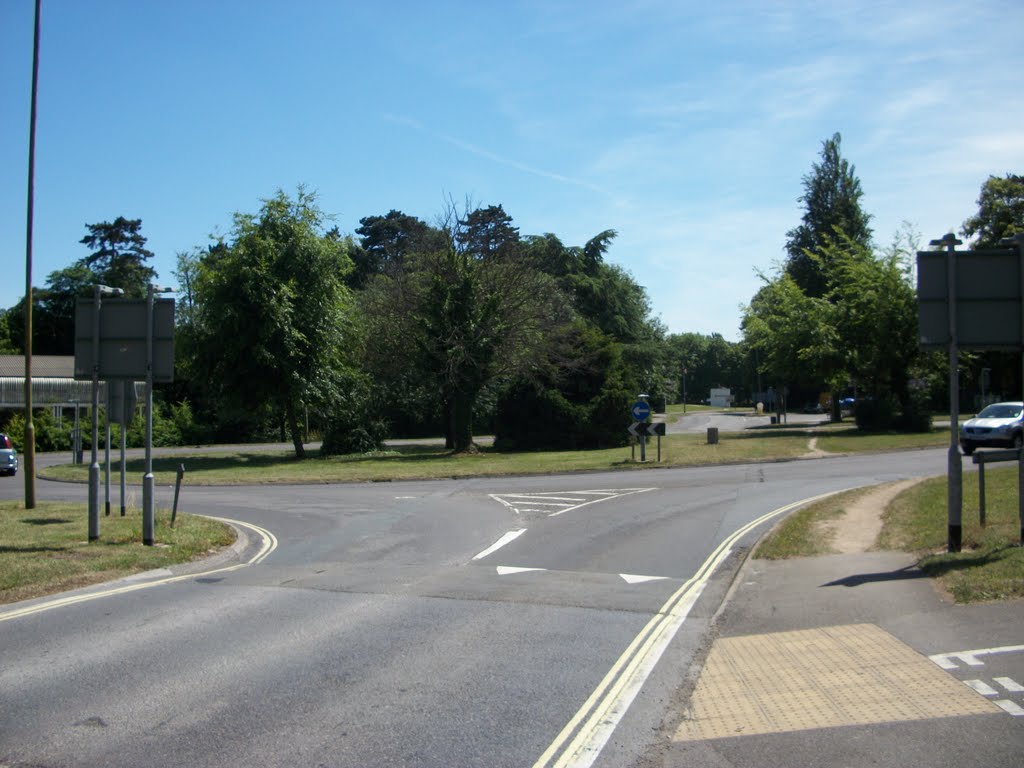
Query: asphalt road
494	622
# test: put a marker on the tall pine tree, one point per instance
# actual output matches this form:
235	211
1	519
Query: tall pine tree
831	206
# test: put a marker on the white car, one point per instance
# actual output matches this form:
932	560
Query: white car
999	424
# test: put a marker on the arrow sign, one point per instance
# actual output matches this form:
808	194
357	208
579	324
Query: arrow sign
640	410
637	428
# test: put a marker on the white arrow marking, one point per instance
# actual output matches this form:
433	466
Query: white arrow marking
507	571
508	537
631	578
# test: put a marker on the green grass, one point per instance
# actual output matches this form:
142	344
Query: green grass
845	438
990	565
419	462
46	549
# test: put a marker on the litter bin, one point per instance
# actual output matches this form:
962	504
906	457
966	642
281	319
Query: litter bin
712	435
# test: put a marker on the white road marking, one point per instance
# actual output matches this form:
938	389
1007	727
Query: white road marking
584	736
563	501
982	687
1010	707
268	545
970	658
631	578
505	570
508	537
1010	684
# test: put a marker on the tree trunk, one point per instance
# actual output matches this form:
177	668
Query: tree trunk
462	420
448	417
295	429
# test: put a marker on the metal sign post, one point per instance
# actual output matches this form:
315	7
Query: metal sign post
967	300
135	341
640	411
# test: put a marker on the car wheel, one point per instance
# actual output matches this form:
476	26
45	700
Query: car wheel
967	449
1018	440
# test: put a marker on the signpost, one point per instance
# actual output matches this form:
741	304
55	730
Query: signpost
968	300
132	339
641	427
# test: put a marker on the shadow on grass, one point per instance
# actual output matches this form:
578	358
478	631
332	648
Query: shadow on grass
44	521
29	550
268	460
941	565
792	430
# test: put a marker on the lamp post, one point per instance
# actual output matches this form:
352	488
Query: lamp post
148	515
98	291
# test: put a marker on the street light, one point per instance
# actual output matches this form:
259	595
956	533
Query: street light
98	291
148	515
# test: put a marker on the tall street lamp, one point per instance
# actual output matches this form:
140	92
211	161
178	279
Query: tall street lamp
94	467
148	513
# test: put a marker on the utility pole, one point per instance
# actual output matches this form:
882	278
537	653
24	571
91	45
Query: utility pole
29	448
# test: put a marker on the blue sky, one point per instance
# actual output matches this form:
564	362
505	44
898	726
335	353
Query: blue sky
685	126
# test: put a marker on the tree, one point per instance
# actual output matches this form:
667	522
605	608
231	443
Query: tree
790	332
1000	211
272	312
7	345
875	315
487	233
387	240
462	317
831	206
119	255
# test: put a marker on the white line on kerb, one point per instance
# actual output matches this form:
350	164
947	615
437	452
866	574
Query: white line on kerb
583	738
268	545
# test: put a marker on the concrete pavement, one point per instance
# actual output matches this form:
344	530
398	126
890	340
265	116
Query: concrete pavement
851	660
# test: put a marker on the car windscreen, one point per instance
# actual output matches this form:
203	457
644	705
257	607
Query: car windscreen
1000	412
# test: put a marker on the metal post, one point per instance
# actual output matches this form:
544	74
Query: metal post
94	466
106	455
684	389
981	494
177	490
148	516
1020	493
954	471
124	434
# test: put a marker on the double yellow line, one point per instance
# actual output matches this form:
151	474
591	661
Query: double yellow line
268	543
583	738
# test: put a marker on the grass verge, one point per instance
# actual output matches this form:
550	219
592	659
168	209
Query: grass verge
46	549
802	533
990	565
419	462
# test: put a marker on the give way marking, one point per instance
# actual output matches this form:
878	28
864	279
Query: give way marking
558	503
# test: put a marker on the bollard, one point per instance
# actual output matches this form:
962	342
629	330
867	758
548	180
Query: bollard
712	435
177	490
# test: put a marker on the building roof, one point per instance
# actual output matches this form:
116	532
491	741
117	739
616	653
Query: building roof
43	366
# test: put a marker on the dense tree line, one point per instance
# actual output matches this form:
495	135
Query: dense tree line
465	326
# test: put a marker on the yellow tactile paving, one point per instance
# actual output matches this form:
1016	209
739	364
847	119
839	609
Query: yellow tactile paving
820	678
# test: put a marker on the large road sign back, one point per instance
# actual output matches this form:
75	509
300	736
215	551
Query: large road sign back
123	339
987	299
